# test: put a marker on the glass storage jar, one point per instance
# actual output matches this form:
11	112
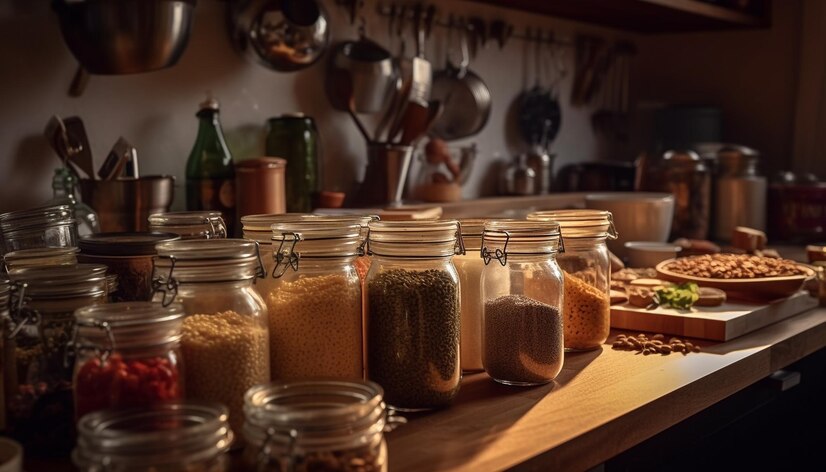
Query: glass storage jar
412	312
4	315
127	355
334	426
169	437
50	226
522	325
225	342
469	267
315	316
190	224
40	257
128	257
586	268
37	364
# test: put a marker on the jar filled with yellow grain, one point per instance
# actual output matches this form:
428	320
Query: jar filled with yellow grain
37	360
413	312
587	270
315	316
190	224
225	343
178	436
335	426
522	323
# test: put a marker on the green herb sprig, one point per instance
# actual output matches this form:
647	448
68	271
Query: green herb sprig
680	296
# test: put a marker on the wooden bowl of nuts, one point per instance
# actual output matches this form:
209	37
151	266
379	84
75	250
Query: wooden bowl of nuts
739	275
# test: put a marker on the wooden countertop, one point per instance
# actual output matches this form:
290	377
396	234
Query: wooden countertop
602	403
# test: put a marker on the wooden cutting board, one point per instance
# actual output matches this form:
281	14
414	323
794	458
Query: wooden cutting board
731	319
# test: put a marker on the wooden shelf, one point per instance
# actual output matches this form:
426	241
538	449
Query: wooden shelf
646	16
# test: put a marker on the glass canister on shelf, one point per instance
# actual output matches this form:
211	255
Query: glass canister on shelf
127	355
37	365
334	426
685	175
522	323
129	257
413	312
314	304
740	192
190	224
294	137
586	269
178	436
40	257
225	342
50	226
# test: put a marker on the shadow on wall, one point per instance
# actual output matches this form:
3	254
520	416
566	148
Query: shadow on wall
31	156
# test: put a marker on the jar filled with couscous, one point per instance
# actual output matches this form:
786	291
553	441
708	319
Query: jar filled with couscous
225	340
315	315
587	271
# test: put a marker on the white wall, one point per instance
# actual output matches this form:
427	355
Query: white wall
155	111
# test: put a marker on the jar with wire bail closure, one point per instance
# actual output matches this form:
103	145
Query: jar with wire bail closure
522	323
315	311
37	360
412	312
40	257
586	268
225	341
49	226
190	224
127	356
170	437
317	425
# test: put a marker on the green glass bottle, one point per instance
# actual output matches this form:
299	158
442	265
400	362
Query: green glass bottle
294	137
210	173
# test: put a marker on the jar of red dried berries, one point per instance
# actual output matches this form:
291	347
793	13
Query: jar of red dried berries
128	355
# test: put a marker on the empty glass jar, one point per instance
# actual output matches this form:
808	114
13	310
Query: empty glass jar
190	224
181	436
522	323
51	226
587	271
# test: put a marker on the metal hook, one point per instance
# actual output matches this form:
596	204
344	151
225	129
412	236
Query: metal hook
500	255
103	354
460	241
363	248
612	230
261	272
265	452
167	286
29	316
290	260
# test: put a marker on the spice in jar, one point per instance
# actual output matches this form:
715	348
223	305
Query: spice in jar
226	353
587	313
413	336
316	328
522	340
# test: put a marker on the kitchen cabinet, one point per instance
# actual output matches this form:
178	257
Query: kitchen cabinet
649	16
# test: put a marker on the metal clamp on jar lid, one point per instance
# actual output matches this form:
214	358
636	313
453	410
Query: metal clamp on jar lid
580	223
204	260
415	239
472	229
503	238
190	224
312	239
172	436
315	418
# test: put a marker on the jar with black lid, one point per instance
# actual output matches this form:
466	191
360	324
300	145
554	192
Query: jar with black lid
37	361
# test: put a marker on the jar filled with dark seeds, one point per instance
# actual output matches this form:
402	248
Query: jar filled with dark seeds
413	313
334	426
522	324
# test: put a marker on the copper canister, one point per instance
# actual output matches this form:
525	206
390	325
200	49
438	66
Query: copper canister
260	187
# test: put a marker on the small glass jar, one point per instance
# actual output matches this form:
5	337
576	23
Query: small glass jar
190	224
40	257
51	226
225	341
127	356
314	305
522	323
129	259
38	366
469	267
333	426
169	437
586	268
413	312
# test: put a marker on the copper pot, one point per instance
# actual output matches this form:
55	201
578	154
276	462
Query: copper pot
125	204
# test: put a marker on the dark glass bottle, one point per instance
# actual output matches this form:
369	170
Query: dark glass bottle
210	173
294	137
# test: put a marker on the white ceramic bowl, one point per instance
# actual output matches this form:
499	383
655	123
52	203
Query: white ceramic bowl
11	455
638	216
648	254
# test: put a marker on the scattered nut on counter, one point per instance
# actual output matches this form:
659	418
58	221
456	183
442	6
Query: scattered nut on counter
656	344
